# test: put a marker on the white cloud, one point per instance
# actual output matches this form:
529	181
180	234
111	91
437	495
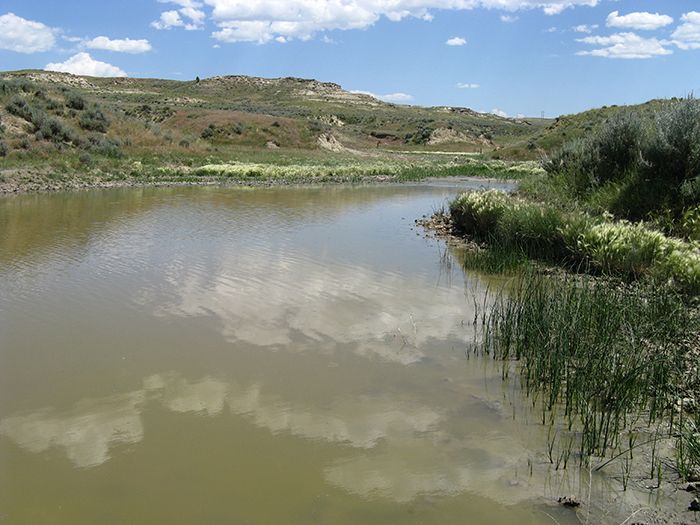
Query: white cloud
189	17
687	35
126	45
625	45
499	113
583	28
264	20
456	41
25	36
640	20
183	3
462	85
84	64
509	19
397	98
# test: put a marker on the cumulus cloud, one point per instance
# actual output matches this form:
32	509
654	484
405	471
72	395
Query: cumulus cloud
189	17
126	45
25	36
463	85
639	20
509	19
625	45
399	98
84	64
687	35
456	41
268	20
584	28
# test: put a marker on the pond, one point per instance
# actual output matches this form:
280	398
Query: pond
285	355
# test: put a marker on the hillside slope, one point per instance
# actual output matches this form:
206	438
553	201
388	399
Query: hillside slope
57	126
251	112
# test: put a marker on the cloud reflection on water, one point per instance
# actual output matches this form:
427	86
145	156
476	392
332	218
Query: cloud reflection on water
87	432
271	298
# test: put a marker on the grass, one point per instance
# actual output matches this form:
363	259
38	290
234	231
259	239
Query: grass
606	363
577	240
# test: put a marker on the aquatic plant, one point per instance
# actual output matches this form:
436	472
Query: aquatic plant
607	364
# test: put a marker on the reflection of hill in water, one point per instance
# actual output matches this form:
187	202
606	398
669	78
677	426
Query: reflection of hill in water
45	223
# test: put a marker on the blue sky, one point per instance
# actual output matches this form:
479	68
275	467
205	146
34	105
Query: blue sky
510	56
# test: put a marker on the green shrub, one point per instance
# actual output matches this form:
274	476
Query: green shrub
643	168
15	86
75	101
105	146
3	149
94	120
208	132
19	107
54	130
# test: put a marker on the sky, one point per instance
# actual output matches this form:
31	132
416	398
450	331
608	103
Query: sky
511	57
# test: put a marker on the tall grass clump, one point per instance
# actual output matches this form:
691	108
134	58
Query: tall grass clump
608	360
577	240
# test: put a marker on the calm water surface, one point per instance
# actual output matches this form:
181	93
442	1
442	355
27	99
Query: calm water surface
268	356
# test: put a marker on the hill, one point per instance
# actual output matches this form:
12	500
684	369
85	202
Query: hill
254	112
55	126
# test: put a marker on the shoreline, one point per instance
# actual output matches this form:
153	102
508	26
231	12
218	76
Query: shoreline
27	187
679	493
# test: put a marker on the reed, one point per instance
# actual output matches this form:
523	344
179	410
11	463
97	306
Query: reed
605	364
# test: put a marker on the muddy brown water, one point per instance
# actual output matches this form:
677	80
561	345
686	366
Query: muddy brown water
267	356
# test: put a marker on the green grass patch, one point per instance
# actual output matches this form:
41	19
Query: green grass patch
577	240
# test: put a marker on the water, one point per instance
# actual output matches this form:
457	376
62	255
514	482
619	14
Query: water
267	356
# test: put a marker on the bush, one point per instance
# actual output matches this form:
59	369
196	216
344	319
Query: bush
94	120
644	168
15	86
105	146
54	130
53	105
19	107
208	132
45	127
75	101
3	149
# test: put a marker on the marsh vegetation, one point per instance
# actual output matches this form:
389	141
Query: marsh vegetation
607	348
